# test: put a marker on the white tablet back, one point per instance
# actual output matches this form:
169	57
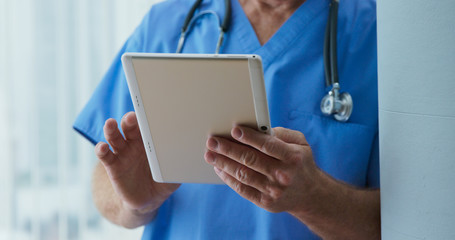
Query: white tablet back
180	100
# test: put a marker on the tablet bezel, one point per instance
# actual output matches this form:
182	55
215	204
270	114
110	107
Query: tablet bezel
257	87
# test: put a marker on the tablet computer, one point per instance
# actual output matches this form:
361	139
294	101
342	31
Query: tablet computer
182	99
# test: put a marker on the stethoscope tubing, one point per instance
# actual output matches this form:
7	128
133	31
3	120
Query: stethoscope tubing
190	19
334	103
330	46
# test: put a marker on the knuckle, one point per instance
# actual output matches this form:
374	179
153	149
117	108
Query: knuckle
248	158
268	145
115	143
100	156
266	202
275	193
283	177
241	174
118	148
274	209
99	149
270	204
238	187
102	151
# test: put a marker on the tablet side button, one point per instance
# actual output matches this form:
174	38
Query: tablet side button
137	101
150	148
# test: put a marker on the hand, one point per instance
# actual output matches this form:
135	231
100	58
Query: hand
128	168
274	172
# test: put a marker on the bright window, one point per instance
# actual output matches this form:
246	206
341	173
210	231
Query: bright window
52	55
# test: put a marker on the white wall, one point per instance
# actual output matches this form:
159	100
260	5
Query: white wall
52	55
416	54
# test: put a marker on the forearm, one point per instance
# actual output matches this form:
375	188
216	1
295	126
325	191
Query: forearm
339	211
110	205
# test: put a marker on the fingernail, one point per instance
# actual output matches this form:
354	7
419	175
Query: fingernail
210	157
237	133
217	170
212	144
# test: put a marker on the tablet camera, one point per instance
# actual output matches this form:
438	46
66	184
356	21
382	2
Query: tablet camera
264	128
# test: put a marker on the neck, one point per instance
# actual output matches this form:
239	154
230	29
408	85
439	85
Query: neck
267	16
274	4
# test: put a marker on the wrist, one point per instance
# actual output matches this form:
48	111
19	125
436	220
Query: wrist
135	217
145	210
318	198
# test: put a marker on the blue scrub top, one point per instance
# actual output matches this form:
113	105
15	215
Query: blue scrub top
294	77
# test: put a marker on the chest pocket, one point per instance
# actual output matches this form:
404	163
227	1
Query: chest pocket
340	149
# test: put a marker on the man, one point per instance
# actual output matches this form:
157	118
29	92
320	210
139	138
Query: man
318	179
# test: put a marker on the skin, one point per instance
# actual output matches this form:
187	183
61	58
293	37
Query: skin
278	173
275	172
122	184
267	16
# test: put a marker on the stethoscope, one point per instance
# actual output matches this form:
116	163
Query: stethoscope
335	102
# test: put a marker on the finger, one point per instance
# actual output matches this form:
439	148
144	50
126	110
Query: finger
104	154
243	190
270	145
290	136
130	127
240	172
113	135
244	155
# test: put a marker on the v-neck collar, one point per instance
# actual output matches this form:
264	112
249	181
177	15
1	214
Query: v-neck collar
290	31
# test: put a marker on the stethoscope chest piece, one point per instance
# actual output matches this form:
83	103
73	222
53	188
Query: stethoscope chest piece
336	104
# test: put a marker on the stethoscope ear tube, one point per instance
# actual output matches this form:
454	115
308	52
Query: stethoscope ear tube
327	68
330	46
227	16
333	41
190	18
185	25
190	15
